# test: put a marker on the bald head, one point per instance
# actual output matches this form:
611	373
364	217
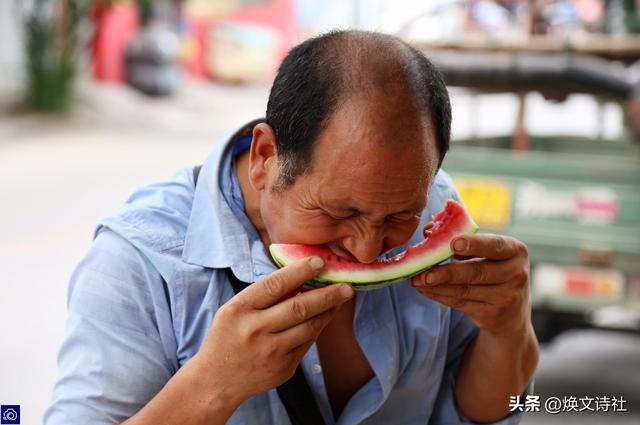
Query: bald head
400	88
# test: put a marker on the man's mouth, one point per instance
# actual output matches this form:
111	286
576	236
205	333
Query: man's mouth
342	253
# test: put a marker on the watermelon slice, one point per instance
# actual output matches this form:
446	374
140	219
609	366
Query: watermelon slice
449	223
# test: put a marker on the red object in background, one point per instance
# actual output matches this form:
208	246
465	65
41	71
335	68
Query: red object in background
580	284
197	28
279	15
115	26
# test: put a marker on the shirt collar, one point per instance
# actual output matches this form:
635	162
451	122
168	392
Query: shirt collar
215	237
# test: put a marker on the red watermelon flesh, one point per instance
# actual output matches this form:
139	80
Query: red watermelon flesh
449	223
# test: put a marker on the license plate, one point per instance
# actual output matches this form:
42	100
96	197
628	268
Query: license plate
487	200
551	281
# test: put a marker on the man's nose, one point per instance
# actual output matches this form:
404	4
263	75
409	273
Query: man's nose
366	247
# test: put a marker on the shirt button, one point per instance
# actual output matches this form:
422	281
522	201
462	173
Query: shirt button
316	368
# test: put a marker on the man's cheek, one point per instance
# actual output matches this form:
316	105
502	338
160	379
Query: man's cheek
309	233
398	236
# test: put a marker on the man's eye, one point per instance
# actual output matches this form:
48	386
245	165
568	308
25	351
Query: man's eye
341	216
400	218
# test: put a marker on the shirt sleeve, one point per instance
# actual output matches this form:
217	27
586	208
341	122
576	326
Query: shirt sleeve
113	359
462	331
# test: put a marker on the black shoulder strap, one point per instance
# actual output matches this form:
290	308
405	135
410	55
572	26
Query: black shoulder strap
196	173
295	394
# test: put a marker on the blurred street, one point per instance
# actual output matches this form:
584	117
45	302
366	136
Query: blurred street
60	175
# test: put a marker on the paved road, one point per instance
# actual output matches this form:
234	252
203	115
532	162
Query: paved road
59	176
590	363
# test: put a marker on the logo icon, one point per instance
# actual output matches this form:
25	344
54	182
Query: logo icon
9	414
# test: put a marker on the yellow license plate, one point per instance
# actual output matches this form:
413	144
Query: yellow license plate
487	200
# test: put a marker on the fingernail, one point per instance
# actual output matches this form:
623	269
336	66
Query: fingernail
346	291
460	244
432	278
316	263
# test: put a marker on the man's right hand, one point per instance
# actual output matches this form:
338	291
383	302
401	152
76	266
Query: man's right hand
259	337
255	344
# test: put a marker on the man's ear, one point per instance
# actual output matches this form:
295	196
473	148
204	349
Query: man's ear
263	159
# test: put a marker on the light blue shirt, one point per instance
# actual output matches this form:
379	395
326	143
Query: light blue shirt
142	300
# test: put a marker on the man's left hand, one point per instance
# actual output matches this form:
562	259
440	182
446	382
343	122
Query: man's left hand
491	285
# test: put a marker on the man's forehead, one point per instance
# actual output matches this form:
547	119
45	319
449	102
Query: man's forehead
396	103
365	188
361	120
413	204
376	156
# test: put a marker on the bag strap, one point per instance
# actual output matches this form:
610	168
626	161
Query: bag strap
295	394
196	173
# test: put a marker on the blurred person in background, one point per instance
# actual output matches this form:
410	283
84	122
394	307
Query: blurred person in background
349	156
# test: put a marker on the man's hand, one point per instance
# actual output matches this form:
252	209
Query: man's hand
255	344
491	287
258	338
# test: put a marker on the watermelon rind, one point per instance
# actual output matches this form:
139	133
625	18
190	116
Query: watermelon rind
320	282
375	279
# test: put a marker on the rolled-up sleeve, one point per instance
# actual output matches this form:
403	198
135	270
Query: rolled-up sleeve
462	331
113	359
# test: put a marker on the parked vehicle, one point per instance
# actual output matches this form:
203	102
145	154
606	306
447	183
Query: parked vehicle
575	201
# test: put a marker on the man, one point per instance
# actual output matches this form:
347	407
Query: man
356	128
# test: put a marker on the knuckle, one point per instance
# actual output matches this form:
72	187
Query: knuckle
478	272
299	310
314	325
521	275
499	244
522	249
255	331
271	349
231	309
331	298
273	285
250	335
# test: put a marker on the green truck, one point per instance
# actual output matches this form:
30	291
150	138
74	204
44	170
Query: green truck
574	201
